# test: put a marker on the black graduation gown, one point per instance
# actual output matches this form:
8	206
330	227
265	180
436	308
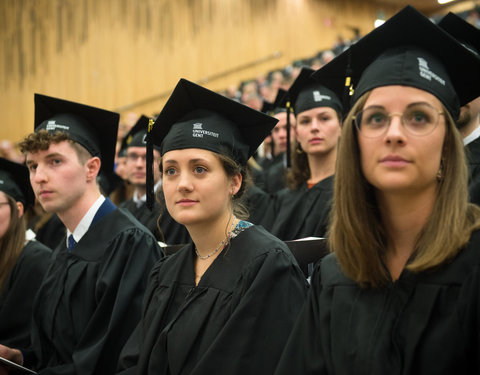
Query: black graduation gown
90	299
300	213
274	175
257	203
236	321
18	293
52	233
171	232
425	323
472	151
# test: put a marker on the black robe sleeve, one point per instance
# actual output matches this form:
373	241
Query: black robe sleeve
303	352
18	293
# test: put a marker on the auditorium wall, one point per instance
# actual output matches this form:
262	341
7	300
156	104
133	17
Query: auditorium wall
114	53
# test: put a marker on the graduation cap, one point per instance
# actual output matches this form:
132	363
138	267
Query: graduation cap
461	30
15	181
195	117
267	107
93	128
108	182
307	93
407	50
137	135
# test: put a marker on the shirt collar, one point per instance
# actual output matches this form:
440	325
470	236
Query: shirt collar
472	136
141	200
86	221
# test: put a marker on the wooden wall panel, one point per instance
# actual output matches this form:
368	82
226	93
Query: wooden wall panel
111	53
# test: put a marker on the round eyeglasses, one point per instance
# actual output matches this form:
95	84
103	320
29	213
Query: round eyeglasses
418	119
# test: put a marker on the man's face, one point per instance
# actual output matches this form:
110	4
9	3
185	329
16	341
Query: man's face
279	132
58	178
468	112
137	166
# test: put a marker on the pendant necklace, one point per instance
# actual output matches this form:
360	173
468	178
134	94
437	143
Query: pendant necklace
221	246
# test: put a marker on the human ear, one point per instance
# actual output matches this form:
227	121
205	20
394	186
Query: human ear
93	167
20	209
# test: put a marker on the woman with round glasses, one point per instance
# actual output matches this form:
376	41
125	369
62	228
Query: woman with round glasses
400	292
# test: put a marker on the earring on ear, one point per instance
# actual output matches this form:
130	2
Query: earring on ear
299	149
440	171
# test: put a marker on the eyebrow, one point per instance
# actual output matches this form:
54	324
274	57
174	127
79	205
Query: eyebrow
192	161
408	105
48	156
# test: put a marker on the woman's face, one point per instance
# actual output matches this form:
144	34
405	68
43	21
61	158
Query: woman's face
318	130
398	161
197	190
5	214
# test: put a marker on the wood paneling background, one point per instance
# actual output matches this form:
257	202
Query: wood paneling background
111	53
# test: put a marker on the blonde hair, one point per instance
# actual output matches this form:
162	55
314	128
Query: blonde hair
357	235
12	242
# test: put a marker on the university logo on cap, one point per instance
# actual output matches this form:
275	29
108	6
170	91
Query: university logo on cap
426	73
52	125
318	97
199	132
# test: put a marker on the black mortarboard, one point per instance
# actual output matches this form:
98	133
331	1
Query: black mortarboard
407	50
267	107
15	181
307	93
93	128
137	135
461	30
108	182
195	117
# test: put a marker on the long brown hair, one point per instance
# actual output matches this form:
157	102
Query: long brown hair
13	241
357	235
299	173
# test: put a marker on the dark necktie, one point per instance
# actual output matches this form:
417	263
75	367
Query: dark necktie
71	242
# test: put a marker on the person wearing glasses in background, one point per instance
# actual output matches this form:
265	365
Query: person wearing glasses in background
166	229
400	292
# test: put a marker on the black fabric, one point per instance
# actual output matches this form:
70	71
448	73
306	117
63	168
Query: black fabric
15	181
90	298
170	232
274	176
472	151
52	233
195	117
424	323
300	213
235	321
256	201
464	32
306	93
18	293
430	62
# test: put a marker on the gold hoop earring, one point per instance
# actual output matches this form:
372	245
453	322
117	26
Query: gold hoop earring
299	149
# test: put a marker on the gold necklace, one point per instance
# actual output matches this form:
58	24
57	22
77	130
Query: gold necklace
221	246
